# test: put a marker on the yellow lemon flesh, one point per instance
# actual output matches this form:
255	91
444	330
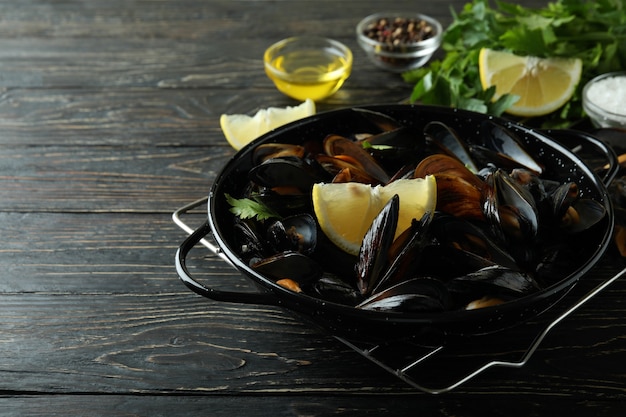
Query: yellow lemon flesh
543	84
345	211
241	129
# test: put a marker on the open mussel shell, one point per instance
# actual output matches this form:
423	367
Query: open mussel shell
463	243
373	255
266	151
495	282
333	288
582	214
447	139
294	233
413	295
286	171
502	147
339	146
289	265
511	208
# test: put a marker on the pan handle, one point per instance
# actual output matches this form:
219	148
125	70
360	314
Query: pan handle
262	298
579	142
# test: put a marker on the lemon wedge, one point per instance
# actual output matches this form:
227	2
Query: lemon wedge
543	84
241	129
345	211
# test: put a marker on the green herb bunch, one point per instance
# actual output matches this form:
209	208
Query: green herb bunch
592	30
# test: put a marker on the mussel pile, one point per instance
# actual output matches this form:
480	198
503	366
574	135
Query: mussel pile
501	229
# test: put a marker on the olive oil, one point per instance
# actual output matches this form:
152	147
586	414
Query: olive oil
314	73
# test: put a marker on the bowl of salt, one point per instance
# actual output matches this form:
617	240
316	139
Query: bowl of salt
604	100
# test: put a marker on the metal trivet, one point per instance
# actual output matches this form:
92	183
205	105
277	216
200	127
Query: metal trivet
415	357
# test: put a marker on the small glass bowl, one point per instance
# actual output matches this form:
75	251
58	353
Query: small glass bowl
601	98
304	67
399	57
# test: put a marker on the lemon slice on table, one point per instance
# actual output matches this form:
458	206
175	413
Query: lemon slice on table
543	84
241	129
345	211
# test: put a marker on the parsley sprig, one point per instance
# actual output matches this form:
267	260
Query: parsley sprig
592	30
246	208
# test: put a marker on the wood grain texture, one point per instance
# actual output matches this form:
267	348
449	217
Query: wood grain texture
149	117
109	121
179	343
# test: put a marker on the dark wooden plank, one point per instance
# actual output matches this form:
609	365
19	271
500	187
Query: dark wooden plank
180	343
145	116
303	405
169	45
106	179
99	253
194	19
155	63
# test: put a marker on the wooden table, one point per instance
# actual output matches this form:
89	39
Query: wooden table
109	121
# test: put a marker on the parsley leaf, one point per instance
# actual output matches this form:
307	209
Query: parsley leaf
246	208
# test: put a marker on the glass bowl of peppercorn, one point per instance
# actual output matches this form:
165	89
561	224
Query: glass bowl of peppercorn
399	41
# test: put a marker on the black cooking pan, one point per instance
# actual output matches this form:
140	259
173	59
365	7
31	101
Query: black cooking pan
560	164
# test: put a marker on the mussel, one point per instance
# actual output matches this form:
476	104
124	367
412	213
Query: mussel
289	265
495	281
510	208
413	295
286	171
448	140
294	233
373	256
501	147
344	148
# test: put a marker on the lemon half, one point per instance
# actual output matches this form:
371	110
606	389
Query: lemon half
543	84
345	211
241	129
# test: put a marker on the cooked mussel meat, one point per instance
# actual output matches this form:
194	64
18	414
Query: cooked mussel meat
294	233
341	147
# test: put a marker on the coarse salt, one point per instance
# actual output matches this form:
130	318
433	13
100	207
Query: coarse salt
609	94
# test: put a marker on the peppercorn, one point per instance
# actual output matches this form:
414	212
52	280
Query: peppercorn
398	31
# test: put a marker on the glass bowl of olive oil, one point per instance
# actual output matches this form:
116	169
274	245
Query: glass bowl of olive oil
304	67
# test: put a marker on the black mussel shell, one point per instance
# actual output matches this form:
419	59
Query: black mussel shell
266	151
249	239
286	172
332	288
493	281
448	140
511	208
294	233
503	148
582	215
373	255
289	265
471	242
405	254
413	295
